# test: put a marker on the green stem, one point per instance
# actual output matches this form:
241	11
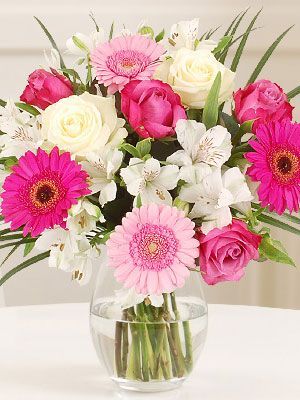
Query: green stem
143	338
125	343
118	347
134	364
187	335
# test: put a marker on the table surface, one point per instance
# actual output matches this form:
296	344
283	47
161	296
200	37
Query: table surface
251	353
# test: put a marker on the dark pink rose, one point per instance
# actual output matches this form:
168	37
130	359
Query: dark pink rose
224	253
263	100
152	108
45	88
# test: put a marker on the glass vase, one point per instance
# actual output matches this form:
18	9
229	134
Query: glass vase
148	347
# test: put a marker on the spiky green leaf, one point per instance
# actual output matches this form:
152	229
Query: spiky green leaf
23	265
211	108
273	250
267	55
293	93
240	49
52	41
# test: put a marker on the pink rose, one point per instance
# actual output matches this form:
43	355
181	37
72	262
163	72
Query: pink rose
224	253
152	108
264	100
45	88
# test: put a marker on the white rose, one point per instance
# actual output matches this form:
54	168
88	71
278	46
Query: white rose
83	124
191	74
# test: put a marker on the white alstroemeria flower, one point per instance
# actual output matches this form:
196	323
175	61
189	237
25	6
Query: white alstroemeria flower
85	43
130	298
149	180
101	169
184	34
69	252
22	131
52	59
202	150
11	117
83	216
214	195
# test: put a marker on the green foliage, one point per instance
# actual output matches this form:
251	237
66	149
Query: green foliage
266	56
223	42
242	44
28	247
144	147
52	41
160	36
79	43
230	123
139	201
23	265
246	127
111	31
211	108
23	106
293	93
273	250
130	149
279	224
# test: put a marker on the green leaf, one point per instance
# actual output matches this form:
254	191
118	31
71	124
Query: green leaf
52	41
111	32
279	224
293	93
23	265
242	44
222	44
230	123
212	32
211	108
91	15
11	252
139	201
223	54
160	36
143	147
266	56
28	108
79	43
288	217
72	73
234	25
146	30
28	247
130	149
17	242
246	127
23	106
274	250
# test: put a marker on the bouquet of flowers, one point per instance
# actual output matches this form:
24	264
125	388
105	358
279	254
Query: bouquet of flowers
143	151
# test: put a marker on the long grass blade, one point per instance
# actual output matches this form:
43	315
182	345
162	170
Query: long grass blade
52	41
23	265
11	252
288	217
211	109
293	93
240	49
267	55
274	222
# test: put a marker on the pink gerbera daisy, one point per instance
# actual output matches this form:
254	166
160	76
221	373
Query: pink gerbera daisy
276	165
153	248
41	189
125	58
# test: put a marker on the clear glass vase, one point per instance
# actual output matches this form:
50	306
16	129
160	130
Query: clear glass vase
145	347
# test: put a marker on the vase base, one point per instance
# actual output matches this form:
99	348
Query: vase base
149	387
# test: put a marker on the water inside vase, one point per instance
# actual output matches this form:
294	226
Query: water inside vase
165	370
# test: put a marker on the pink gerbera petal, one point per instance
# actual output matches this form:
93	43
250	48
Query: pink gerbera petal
40	191
125	58
158	254
276	165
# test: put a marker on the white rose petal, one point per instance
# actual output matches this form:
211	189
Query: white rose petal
191	74
83	124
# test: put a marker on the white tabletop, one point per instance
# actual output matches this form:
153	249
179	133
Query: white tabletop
251	353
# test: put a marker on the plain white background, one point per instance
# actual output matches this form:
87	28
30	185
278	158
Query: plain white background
21	51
